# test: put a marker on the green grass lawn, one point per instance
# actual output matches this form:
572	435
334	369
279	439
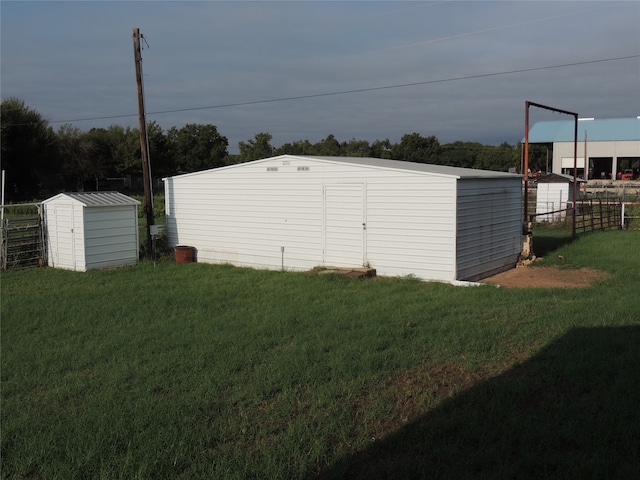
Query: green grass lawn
197	371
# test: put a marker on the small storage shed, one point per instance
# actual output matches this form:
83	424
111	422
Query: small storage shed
86	231
555	193
400	218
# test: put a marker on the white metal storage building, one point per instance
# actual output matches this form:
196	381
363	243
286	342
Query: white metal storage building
555	192
86	231
401	218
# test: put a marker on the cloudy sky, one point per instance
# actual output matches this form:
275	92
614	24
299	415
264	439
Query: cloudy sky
306	69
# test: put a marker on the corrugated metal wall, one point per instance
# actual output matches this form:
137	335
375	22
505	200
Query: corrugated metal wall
489	238
110	237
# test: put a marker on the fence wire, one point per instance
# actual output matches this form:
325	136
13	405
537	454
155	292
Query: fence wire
22	243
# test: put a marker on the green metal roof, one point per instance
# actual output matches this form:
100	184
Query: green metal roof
598	130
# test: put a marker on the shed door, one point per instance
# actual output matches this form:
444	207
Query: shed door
63	249
344	225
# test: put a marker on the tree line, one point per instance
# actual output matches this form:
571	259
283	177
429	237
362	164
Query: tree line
39	160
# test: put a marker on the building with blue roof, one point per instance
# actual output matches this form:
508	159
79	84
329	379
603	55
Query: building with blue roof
612	146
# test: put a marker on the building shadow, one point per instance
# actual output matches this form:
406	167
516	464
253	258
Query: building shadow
544	243
571	411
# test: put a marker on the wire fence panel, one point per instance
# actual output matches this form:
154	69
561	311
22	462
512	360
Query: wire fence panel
22	243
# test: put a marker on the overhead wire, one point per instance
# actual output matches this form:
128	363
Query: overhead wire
387	87
372	89
353	91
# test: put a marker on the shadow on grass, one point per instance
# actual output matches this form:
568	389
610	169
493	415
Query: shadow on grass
547	239
571	411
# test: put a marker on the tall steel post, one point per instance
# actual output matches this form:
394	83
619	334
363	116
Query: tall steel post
525	169
575	154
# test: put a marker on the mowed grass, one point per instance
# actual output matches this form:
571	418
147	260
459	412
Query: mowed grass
210	371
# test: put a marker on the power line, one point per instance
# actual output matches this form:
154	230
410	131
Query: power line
357	90
388	87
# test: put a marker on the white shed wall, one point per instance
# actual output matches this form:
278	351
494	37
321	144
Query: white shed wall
297	213
245	216
411	225
550	198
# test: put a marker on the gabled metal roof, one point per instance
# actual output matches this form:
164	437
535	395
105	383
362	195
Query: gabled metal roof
558	178
598	130
97	199
426	168
415	167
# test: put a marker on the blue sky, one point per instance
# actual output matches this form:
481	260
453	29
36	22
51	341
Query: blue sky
432	67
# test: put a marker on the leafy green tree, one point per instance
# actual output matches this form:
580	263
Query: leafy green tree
29	148
117	149
328	147
257	148
79	164
197	147
162	161
461	154
125	150
416	148
539	156
299	147
499	158
102	154
382	149
355	148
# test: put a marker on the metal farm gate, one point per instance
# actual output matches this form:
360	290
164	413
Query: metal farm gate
591	215
596	214
22	243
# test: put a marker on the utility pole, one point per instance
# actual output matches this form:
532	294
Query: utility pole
146	166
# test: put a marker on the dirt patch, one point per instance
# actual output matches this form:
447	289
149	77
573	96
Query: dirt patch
546	277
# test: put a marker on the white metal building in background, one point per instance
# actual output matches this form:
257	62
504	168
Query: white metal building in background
92	230
401	218
612	145
554	193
